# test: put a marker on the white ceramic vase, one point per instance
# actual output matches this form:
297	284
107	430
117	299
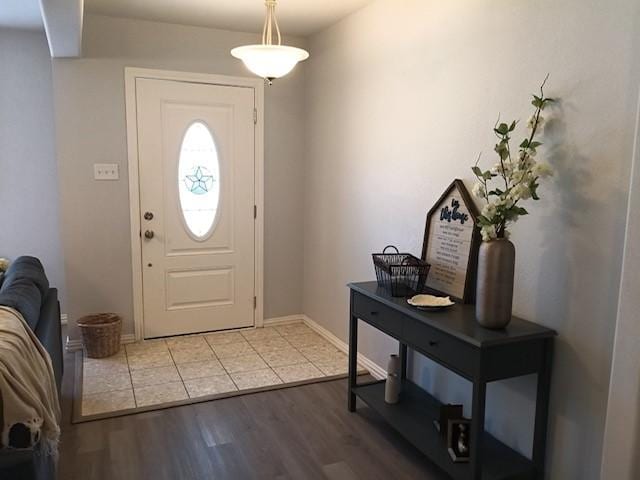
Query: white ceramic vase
392	385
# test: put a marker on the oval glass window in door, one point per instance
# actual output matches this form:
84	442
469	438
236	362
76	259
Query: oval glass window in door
199	181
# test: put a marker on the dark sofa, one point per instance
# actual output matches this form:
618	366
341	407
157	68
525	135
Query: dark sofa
25	287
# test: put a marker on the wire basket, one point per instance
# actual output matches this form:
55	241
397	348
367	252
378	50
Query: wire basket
400	273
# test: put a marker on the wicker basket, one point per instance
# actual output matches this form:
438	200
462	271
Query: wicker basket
101	334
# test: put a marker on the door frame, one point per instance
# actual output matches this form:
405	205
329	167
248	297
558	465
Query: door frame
130	76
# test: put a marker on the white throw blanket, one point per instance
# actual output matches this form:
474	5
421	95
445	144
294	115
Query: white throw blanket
27	384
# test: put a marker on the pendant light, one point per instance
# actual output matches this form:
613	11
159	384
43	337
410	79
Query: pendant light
270	60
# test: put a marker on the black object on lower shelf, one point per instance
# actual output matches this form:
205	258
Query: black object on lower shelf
413	418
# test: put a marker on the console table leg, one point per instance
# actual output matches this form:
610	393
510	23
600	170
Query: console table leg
477	427
542	411
353	361
403	361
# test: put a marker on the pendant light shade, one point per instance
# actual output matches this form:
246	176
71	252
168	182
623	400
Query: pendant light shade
270	60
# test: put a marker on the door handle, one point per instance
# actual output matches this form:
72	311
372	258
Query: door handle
148	215
148	234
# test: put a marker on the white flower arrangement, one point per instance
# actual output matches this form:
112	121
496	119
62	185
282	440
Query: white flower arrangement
517	177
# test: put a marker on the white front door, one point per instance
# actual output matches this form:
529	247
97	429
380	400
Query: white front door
197	196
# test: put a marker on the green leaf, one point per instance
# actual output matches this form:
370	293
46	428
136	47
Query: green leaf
510	214
537	102
535	144
519	210
533	186
502	129
484	220
477	171
525	143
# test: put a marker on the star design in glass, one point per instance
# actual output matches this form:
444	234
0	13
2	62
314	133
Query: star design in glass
199	182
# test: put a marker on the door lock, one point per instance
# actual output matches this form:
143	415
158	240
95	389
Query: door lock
148	234
148	216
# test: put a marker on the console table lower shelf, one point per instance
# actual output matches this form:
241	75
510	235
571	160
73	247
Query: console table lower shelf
413	418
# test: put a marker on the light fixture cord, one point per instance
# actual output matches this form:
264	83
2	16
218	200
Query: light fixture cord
270	21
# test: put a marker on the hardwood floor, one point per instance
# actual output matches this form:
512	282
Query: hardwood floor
292	434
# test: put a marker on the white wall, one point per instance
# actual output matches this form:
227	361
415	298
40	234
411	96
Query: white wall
90	121
402	97
28	178
622	432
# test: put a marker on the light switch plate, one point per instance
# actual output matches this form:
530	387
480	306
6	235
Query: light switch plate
106	171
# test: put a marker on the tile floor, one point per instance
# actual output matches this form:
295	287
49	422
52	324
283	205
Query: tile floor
182	368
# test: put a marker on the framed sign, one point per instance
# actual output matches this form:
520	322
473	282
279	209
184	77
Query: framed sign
451	242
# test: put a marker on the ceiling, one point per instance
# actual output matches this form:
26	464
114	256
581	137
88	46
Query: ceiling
63	19
296	17
23	14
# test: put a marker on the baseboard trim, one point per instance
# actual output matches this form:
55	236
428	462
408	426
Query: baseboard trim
73	345
270	322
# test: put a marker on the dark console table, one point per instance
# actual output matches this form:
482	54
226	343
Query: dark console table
454	339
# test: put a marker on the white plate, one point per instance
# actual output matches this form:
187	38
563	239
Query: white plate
430	302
